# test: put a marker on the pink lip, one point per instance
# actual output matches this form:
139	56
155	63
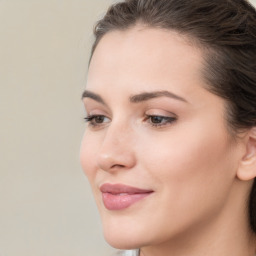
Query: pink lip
119	196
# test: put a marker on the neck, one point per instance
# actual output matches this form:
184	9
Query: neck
227	233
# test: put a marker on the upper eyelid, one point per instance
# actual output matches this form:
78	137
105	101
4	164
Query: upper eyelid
95	106
95	110
160	112
103	113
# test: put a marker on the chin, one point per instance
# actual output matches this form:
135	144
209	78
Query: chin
124	237
124	243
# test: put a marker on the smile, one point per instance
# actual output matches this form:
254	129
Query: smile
119	196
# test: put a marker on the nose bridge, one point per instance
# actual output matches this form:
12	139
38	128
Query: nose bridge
119	132
116	151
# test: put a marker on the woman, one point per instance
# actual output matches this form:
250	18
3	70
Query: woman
170	147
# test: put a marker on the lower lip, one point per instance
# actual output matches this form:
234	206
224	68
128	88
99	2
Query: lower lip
120	202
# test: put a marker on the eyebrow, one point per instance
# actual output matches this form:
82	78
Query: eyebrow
144	96
156	94
94	96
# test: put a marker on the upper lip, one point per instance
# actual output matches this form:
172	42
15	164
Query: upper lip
121	188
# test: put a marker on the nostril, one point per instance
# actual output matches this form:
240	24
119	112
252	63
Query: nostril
118	166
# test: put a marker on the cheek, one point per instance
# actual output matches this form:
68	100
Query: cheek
194	166
192	178
87	154
186	151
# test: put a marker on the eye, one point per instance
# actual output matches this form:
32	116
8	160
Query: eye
160	121
96	120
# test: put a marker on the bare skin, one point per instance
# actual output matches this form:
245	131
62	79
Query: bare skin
154	126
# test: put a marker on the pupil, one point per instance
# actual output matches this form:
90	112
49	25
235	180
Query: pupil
156	119
99	119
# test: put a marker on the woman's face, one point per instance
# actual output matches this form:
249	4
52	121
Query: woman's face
156	149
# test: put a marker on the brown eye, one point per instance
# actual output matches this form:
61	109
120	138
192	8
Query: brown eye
96	120
99	119
160	121
156	119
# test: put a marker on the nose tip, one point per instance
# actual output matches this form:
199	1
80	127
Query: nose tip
113	161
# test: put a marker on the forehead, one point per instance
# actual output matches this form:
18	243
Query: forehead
145	56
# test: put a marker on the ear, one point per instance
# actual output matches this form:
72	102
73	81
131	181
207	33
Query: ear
247	167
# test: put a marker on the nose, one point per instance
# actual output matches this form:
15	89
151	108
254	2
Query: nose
116	151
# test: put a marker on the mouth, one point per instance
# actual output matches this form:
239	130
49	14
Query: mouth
119	196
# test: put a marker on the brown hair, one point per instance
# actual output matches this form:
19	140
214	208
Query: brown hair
226	29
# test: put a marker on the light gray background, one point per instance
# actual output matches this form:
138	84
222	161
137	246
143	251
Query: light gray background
46	207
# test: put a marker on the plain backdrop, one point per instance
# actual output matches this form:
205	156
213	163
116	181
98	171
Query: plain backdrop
46	207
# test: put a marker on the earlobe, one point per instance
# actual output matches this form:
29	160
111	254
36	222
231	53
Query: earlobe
247	167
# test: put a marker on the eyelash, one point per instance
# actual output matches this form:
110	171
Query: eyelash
91	120
167	120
